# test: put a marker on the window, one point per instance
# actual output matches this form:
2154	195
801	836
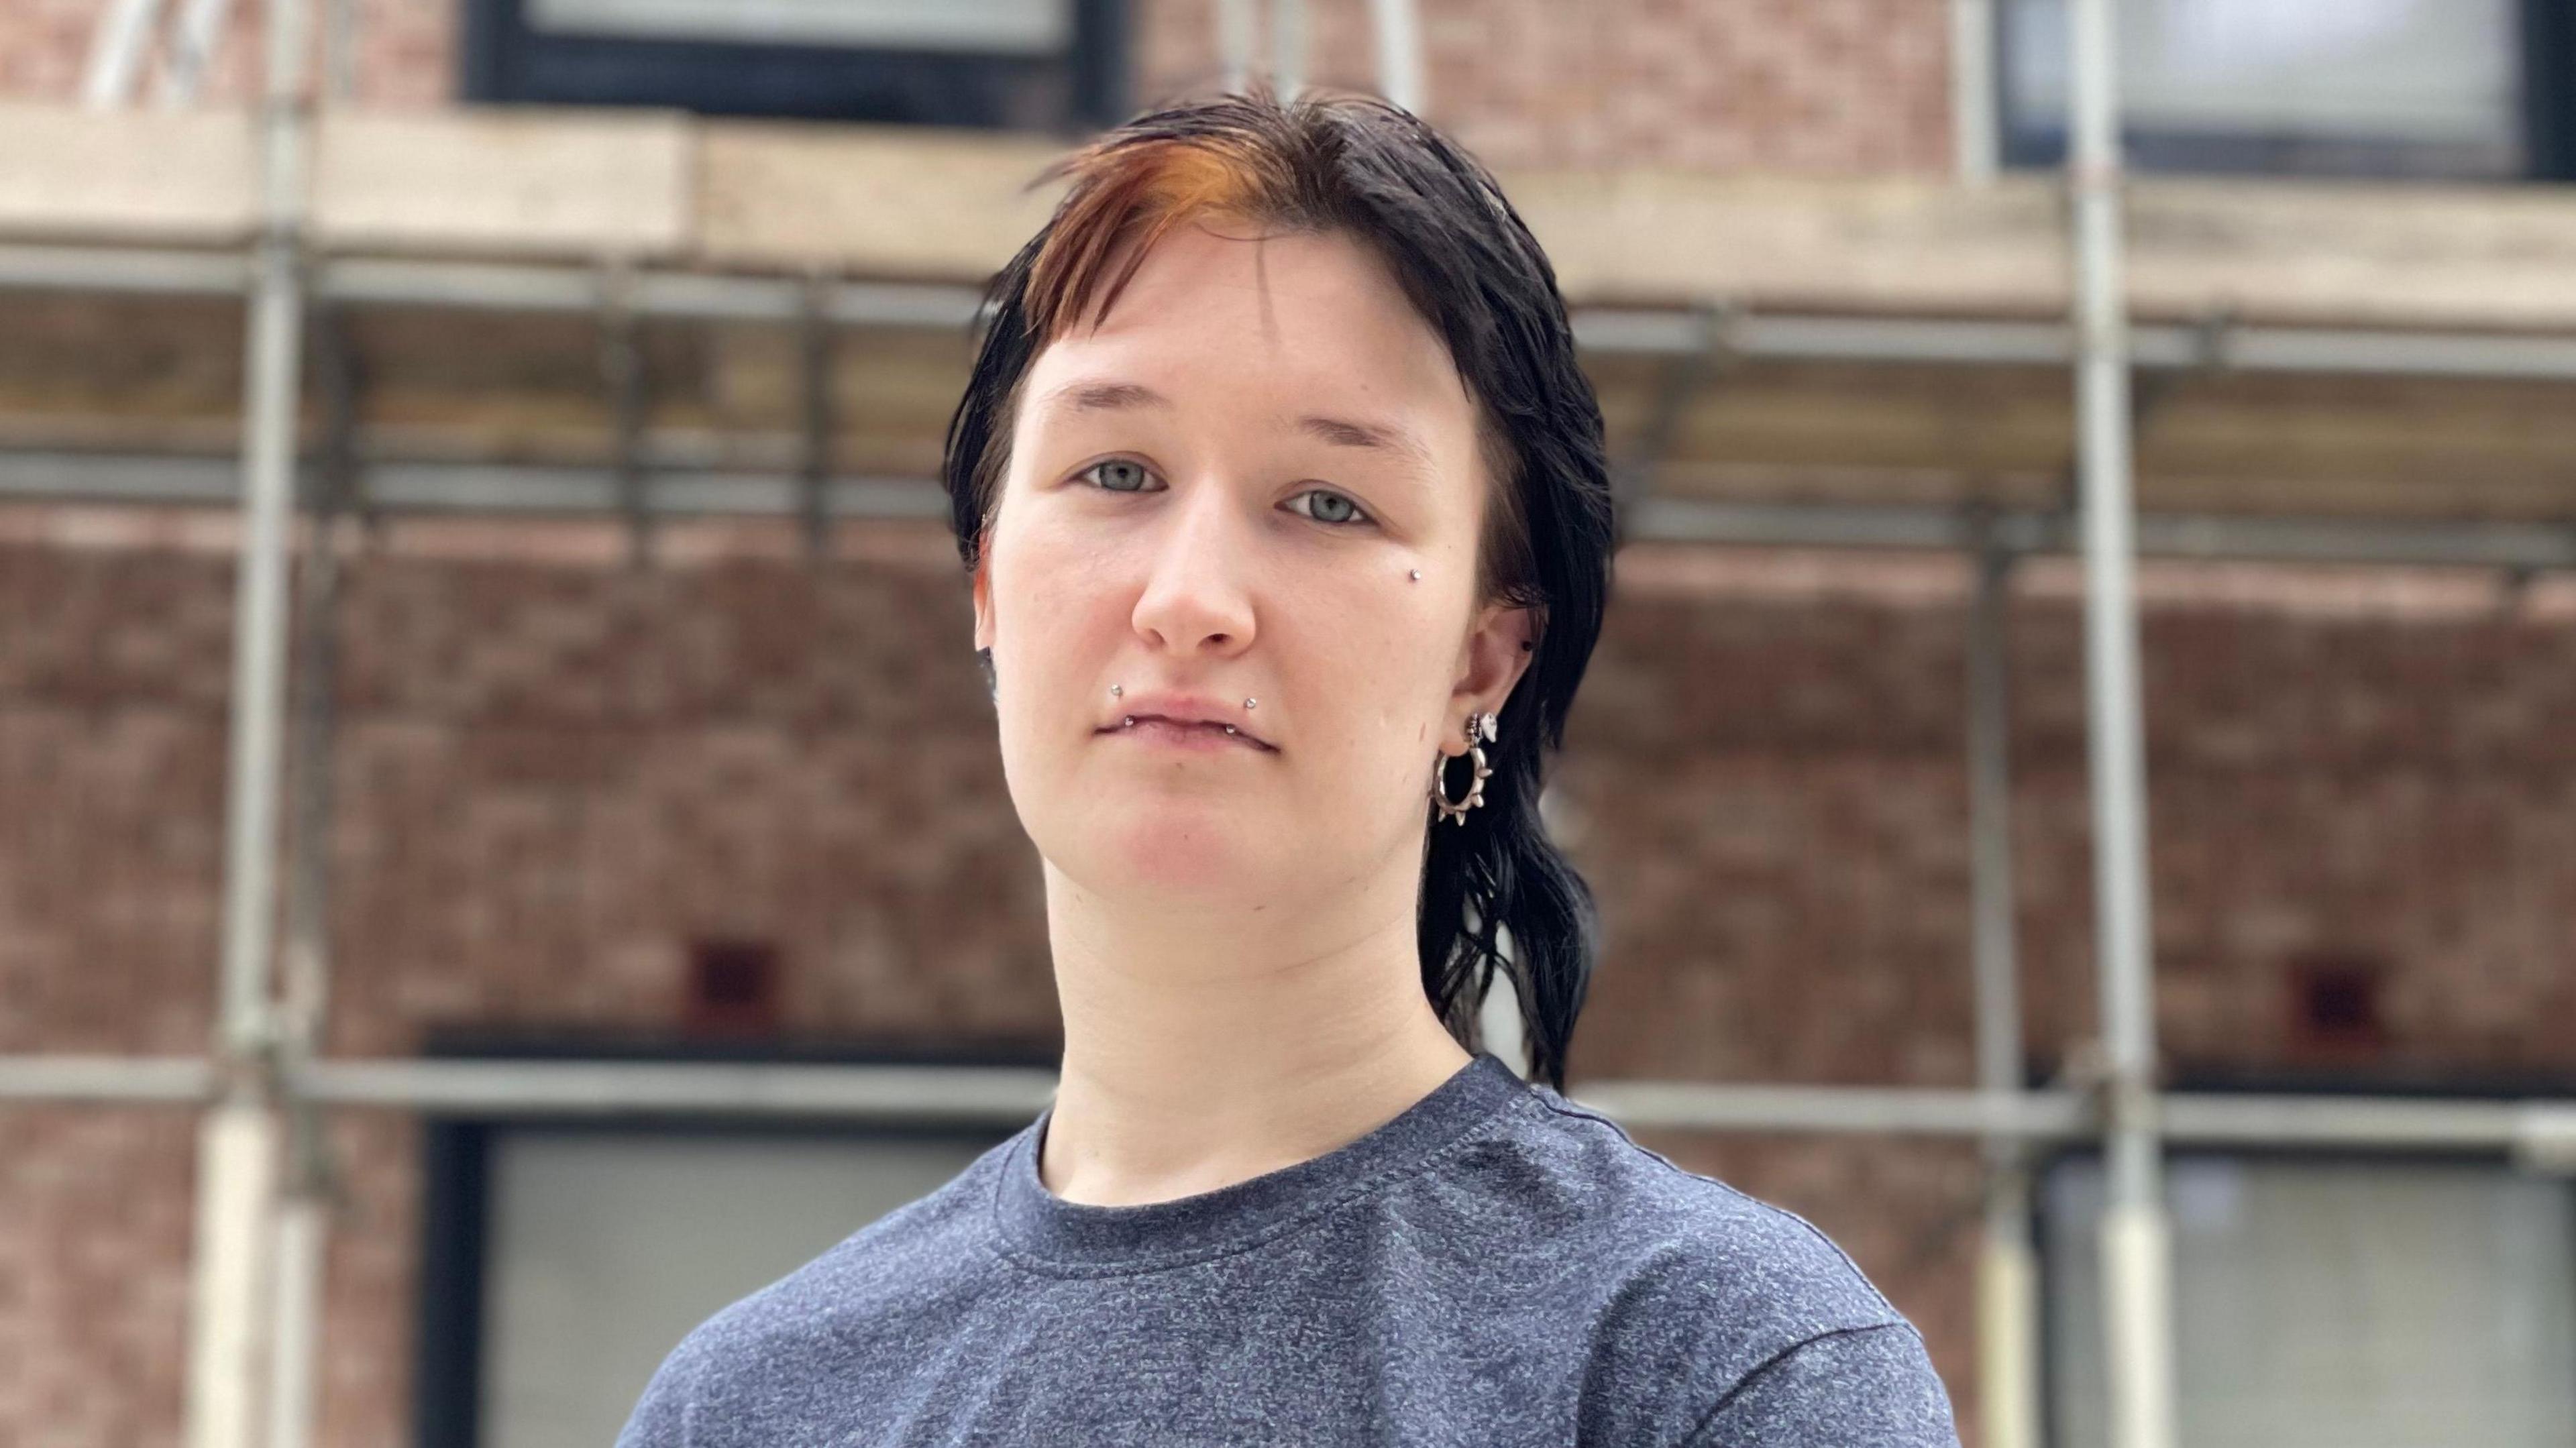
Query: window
2333	1302
567	1260
1041	65
563	1258
2466	89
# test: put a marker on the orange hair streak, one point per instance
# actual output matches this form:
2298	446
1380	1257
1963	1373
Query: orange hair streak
1125	197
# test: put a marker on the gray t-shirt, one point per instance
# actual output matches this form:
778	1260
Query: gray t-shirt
1493	1268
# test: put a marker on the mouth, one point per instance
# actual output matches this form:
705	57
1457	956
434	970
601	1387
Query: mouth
1197	734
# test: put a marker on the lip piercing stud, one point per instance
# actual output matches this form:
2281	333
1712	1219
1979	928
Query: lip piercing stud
1417	574
1127	723
1117	689
1252	703
1229	729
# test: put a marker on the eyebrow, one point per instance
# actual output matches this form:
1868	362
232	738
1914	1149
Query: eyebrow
1390	438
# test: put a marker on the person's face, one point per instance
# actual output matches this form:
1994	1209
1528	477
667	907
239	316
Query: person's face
1191	509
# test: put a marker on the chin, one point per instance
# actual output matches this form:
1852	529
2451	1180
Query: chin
1188	851
1200	848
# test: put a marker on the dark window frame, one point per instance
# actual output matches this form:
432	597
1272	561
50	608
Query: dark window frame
505	61
456	1198
2547	53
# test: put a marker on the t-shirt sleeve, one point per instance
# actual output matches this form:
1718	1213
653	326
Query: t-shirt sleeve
660	1418
1863	1387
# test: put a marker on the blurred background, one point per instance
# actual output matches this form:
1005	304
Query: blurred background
589	890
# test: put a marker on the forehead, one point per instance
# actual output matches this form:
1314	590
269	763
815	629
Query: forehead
1283	325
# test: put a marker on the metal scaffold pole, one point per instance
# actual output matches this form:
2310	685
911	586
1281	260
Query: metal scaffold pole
1972	91
1401	76
1236	41
2135	1238
2007	1272
1288	46
237	1157
303	1211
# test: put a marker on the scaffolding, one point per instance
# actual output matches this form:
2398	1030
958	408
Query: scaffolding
260	1217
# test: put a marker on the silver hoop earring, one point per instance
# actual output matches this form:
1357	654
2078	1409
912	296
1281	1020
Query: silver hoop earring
1479	727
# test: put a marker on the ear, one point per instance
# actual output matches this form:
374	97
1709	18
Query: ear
1497	653
983	599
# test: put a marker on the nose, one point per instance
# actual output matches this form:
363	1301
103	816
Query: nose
1196	598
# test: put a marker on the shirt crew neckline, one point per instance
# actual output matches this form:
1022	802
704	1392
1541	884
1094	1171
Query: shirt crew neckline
1081	1238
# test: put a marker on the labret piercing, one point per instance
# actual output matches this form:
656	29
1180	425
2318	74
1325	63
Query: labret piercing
1128	721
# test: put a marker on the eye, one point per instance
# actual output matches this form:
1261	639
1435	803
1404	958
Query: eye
1332	507
1118	475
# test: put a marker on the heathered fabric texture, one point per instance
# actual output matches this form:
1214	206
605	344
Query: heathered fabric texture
1493	1268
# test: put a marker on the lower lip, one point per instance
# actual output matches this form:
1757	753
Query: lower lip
1164	733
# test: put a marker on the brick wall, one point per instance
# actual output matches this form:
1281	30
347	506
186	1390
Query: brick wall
1694	85
1697	85
401	52
553	773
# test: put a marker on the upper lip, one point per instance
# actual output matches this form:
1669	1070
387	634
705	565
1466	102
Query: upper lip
1182	709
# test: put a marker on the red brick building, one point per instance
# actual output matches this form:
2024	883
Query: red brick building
744	798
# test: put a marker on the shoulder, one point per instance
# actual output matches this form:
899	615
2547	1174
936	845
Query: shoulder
1708	1300
1871	1385
1666	1230
757	1350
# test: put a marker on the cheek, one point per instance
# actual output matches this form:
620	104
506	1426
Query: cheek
1368	659
1059	618
1047	584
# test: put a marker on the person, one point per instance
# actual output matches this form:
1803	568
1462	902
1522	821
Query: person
1289	528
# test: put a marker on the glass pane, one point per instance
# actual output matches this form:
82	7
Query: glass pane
2437	73
604	1248
2338	1304
1032	27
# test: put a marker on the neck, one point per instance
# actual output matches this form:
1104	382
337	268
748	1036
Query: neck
1206	1048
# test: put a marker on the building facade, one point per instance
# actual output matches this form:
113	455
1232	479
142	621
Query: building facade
732	791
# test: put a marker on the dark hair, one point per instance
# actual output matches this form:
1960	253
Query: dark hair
1348	164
